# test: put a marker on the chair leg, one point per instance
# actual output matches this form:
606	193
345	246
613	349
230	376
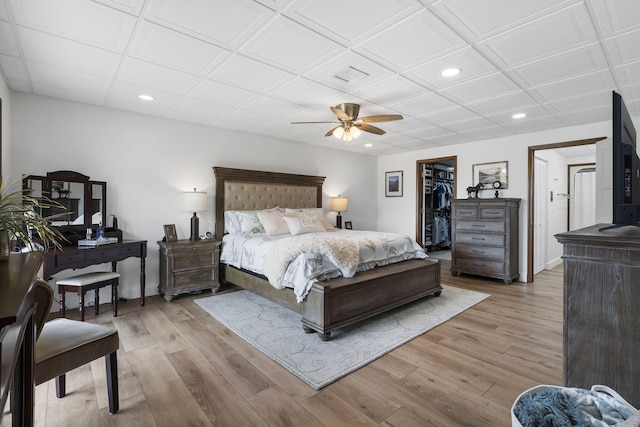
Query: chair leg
97	300
61	386
111	361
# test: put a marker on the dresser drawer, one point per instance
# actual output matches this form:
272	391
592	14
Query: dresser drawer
492	213
481	251
192	277
479	238
480	266
198	259
490	226
466	212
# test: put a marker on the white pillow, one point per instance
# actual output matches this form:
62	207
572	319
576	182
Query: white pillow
319	212
301	224
273	222
245	221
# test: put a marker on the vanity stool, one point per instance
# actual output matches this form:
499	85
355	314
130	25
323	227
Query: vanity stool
89	281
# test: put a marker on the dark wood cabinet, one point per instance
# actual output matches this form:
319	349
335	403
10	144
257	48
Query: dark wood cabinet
188	266
484	237
601	300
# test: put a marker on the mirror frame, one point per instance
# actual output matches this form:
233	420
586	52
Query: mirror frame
87	196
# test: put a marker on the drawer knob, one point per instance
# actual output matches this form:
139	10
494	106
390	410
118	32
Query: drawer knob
477	238
478	225
476	251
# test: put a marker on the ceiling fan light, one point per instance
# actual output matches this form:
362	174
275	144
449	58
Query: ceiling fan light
338	132
355	132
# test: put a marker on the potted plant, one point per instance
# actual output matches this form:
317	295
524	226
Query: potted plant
20	220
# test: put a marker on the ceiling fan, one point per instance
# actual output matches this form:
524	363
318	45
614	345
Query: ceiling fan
350	126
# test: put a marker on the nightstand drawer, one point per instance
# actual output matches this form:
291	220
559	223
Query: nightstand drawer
489	226
481	251
192	277
194	260
479	238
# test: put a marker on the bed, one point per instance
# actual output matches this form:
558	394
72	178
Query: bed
330	304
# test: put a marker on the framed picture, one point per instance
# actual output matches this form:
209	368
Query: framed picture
393	184
348	225
489	173
170	234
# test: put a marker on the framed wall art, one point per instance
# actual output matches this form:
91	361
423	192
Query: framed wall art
489	173
393	184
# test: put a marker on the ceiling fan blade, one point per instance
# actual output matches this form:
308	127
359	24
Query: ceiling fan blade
331	131
309	123
369	128
380	118
339	113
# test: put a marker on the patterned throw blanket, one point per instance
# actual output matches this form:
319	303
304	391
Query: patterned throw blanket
567	407
343	253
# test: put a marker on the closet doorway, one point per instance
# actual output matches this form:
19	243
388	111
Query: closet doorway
436	188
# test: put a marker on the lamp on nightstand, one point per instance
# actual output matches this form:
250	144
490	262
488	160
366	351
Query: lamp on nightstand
340	204
194	201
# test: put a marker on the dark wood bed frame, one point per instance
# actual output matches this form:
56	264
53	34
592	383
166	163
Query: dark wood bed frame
332	304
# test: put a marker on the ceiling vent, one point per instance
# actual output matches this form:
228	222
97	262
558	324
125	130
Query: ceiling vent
350	74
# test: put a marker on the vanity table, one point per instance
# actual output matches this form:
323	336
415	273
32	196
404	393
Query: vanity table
75	204
57	260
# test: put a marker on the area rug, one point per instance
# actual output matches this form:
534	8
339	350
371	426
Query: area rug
277	331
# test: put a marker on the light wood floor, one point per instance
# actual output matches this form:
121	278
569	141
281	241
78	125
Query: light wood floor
179	367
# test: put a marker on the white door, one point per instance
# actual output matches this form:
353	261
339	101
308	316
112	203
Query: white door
541	190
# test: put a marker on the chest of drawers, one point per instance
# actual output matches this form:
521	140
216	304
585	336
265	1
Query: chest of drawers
484	237
188	266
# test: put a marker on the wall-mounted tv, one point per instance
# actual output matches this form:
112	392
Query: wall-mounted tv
626	168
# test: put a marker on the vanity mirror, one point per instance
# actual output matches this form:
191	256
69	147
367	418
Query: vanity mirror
84	202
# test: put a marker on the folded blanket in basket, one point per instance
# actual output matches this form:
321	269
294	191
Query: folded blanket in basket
561	406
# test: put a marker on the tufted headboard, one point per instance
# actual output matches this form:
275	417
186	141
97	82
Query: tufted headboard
242	189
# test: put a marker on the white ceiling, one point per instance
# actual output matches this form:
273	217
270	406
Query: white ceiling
258	65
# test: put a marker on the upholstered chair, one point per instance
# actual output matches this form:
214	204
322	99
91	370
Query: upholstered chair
64	344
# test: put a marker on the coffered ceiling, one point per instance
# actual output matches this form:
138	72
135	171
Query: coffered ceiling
257	66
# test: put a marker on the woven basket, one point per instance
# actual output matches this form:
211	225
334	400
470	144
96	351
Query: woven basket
596	388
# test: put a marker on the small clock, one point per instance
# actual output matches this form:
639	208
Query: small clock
497	185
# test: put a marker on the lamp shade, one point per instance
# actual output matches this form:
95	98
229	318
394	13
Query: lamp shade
339	204
194	201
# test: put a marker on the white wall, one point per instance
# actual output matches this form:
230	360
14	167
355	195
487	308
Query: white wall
398	213
148	161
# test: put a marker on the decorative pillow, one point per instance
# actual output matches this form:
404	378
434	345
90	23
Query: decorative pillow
245	221
301	224
273	222
249	222
319	212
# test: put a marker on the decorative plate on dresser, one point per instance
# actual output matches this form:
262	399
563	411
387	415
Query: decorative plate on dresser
484	237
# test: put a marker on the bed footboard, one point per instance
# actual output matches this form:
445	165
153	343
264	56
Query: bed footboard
343	301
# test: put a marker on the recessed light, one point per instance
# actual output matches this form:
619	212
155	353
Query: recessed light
146	97
519	116
368	144
450	72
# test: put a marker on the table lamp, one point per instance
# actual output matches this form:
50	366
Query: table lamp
194	201
340	204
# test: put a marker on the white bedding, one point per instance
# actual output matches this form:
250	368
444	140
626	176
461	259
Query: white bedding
374	249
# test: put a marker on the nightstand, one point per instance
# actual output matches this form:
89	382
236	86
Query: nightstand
188	266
